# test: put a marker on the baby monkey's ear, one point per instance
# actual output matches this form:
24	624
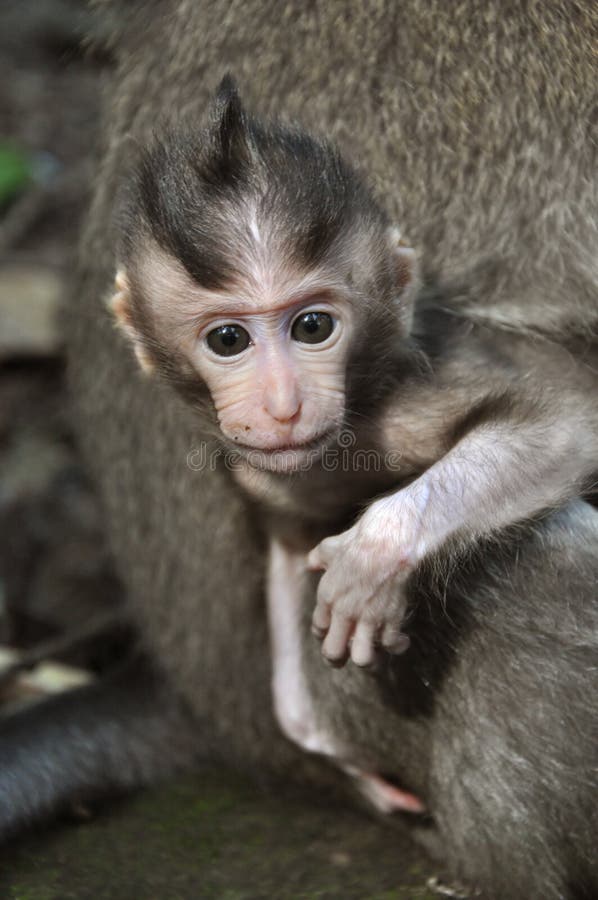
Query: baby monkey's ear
406	274
119	304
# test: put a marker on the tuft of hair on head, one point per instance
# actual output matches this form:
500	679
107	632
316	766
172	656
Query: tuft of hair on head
227	92
228	149
198	188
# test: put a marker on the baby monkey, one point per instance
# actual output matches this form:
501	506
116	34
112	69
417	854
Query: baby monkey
261	278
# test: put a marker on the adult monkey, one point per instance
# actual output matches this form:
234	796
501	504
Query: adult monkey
527	826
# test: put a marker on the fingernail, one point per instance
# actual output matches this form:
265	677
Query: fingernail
401	644
336	662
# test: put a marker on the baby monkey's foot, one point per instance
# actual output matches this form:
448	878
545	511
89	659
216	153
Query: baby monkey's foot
384	796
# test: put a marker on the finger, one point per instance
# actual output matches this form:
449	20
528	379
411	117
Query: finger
315	562
394	640
322	613
320	621
336	642
363	652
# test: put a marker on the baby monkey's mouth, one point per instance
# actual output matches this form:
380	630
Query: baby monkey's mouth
285	457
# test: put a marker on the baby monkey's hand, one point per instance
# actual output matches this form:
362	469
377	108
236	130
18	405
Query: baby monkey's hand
361	598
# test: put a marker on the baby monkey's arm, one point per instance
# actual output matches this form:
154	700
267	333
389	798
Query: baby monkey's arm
500	472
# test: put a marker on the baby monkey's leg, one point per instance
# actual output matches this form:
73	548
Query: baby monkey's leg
294	704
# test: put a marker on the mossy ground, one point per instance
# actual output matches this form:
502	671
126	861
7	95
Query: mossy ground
215	835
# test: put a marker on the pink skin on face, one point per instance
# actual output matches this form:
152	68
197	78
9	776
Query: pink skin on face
279	392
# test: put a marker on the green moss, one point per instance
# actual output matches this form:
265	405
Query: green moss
15	172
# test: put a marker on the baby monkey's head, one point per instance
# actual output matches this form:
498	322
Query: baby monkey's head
254	264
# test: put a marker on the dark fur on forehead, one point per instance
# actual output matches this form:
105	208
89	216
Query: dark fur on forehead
194	188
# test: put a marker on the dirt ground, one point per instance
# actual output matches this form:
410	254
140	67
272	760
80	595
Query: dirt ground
210	835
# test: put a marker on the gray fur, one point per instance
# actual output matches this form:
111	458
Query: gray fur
473	120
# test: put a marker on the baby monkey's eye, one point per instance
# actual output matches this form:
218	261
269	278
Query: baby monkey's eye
312	327
228	340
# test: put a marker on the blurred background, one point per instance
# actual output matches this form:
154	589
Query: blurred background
58	595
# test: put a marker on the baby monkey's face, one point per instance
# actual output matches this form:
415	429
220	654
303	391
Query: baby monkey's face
273	347
272	350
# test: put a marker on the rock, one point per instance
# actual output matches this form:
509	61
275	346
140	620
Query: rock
30	299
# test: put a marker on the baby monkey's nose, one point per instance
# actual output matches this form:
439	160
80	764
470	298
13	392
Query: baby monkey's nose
282	400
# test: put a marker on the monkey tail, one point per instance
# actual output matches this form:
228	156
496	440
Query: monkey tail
106	738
